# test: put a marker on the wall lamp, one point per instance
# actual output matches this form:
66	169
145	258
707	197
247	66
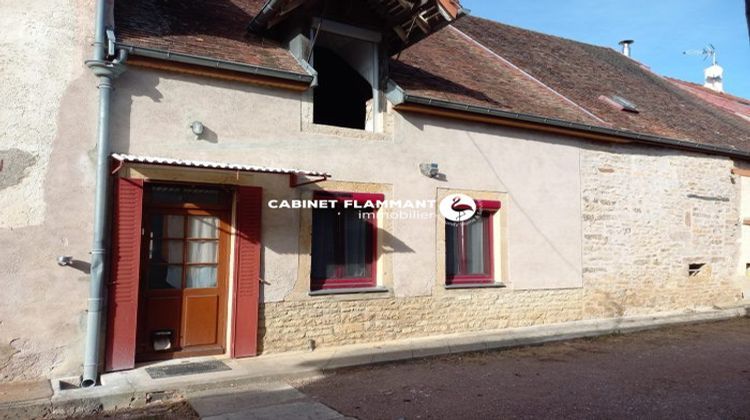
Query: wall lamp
197	128
64	260
429	169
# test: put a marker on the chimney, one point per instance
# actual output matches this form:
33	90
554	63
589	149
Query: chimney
625	43
714	76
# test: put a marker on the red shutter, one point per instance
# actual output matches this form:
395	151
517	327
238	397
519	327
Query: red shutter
122	309
247	273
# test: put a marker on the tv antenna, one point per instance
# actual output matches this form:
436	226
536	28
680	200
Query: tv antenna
709	51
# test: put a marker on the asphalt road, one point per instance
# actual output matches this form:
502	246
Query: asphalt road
689	372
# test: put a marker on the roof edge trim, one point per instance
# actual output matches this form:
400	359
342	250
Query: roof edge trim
217	64
399	97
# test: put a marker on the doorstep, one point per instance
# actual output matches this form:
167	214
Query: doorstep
136	388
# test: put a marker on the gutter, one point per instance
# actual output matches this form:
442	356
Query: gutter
217	64
260	21
401	100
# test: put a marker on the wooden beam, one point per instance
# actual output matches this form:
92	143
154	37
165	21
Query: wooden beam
235	76
741	172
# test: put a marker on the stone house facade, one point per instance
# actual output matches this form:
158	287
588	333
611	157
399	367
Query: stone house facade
587	208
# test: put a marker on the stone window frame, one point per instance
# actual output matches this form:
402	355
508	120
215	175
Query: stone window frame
488	277
499	245
383	288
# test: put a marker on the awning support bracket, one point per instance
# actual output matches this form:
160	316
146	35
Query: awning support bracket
118	166
294	180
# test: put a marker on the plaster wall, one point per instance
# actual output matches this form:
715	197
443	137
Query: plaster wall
46	186
254	126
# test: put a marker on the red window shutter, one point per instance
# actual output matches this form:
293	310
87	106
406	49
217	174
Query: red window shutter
123	289
247	272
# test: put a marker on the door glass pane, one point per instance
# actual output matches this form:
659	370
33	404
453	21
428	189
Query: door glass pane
165	276
200	277
161	251
324	244
475	247
174	251
167	225
203	227
175	226
356	244
178	195
452	250
203	251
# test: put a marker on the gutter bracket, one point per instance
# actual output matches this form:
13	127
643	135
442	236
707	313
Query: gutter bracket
394	93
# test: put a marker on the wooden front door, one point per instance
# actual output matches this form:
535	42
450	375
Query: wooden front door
184	271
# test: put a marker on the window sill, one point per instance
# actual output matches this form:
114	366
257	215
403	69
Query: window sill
349	291
350	133
475	286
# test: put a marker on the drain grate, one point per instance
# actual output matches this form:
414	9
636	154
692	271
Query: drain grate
182	369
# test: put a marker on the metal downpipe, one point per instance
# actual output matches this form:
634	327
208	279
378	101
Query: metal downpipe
98	251
106	71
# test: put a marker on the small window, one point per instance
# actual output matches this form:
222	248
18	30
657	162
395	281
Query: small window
469	248
625	104
344	243
695	269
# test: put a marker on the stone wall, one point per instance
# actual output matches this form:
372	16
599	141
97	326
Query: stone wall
286	326
648	214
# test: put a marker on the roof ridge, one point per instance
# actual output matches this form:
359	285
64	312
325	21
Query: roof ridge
740	99
529	76
604	47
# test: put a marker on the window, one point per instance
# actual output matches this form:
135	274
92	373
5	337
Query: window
469	247
342	95
344	241
695	269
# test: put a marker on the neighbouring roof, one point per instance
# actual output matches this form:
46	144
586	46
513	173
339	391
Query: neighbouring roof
730	103
207	28
200	164
474	62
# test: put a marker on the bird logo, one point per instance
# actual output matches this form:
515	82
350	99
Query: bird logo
458	207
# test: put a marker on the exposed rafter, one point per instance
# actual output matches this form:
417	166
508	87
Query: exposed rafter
404	22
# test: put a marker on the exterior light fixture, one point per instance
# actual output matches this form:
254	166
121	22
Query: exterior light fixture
429	169
64	260
197	128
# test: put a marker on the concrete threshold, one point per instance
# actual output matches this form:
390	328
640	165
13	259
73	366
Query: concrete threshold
135	388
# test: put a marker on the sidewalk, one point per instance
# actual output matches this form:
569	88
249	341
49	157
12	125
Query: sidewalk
136	388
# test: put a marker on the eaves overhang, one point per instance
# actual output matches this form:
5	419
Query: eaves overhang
302	78
403	101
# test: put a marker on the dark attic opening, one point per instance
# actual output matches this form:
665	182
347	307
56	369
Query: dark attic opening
342	95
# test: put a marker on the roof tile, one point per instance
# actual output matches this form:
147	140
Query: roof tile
583	73
208	28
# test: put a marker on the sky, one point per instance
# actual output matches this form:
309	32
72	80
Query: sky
662	30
